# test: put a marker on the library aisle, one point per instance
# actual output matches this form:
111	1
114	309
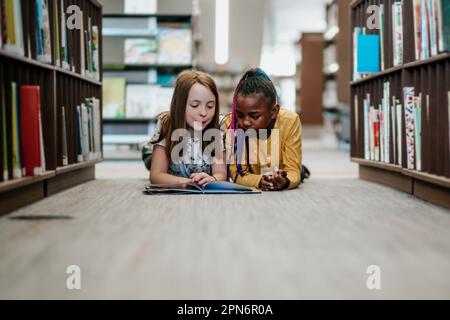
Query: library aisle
314	242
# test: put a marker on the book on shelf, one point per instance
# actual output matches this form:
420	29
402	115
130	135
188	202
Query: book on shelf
382	35
368	53
114	98
175	46
409	102
12	27
215	187
31	131
418	131
43	41
141	51
141	101
88	130
356	33
397	32
65	154
4	141
16	150
140	6
431	27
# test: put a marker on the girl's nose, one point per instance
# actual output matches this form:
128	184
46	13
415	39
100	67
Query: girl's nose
247	123
203	112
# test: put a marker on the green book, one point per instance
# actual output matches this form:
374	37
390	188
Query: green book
16	155
5	138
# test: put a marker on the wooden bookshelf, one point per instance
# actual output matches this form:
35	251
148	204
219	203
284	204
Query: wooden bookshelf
431	79
310	106
58	87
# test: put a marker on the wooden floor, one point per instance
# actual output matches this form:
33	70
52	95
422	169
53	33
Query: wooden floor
314	242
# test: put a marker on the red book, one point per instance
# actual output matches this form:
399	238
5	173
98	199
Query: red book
29	129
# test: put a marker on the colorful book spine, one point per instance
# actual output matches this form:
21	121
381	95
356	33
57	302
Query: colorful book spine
409	126
433	27
424	32
376	135
417	28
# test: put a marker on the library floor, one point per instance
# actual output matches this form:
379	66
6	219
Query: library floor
314	242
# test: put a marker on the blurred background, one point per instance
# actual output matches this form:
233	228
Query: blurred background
304	45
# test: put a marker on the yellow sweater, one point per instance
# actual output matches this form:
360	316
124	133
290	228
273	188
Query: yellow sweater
287	138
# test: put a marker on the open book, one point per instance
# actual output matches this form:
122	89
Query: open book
215	187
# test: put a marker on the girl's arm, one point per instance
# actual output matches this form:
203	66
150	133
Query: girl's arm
219	170
160	166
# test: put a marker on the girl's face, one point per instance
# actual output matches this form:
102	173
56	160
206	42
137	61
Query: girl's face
201	107
254	113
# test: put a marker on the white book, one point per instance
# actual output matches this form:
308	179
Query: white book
141	101
80	135
399	132
387	122
397	33
356	118
97	128
41	144
394	130
85	131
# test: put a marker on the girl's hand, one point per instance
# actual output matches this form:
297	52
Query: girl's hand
280	180
266	184
202	178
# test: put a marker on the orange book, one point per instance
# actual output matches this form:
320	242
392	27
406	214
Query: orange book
30	129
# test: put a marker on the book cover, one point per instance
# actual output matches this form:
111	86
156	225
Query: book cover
97	121
382	125
95	53
381	17
114	98
140	6
368	53
29	130
57	46
82	47
418	131
215	187
409	126
175	46
46	37
141	101
376	135
140	51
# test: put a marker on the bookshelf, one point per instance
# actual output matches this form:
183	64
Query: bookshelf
310	102
153	69
400	115
57	85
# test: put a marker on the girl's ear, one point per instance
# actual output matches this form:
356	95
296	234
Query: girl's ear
275	111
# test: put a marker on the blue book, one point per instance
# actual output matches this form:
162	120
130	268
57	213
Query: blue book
368	53
215	187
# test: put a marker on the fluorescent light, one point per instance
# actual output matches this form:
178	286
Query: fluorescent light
222	31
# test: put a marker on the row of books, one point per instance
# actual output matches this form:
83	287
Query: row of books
25	31
384	125
431	22
169	46
21	134
88	130
134	101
